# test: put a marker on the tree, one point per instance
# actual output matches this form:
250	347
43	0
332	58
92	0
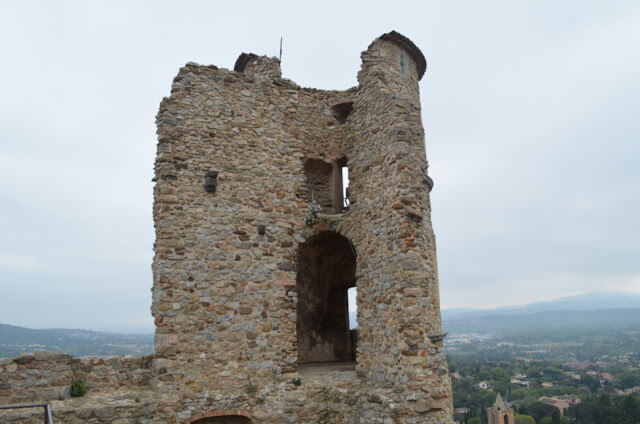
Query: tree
555	417
591	382
628	379
483	415
524	419
631	406
520	393
474	420
500	386
499	374
539	410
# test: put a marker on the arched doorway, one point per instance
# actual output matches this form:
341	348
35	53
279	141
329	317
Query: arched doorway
224	419
326	269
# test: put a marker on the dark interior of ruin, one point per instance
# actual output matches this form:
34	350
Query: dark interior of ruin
225	419
341	111
326	269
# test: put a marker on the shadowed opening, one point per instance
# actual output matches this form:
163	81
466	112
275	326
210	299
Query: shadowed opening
341	111
224	419
326	270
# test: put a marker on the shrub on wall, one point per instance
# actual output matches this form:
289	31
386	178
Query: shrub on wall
78	388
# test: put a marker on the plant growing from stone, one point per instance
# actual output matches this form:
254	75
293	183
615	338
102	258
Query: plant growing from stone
312	215
251	389
78	388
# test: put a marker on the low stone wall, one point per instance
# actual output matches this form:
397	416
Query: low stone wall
38	377
114	373
110	408
328	396
120	393
47	376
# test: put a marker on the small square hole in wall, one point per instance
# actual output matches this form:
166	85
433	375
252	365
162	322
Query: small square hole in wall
341	111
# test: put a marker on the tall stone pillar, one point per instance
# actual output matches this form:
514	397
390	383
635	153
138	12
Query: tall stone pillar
400	335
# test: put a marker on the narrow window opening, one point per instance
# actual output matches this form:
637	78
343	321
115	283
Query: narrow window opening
341	186
345	188
326	271
318	176
352	298
403	63
352	295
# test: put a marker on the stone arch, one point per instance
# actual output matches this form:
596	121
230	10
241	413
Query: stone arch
326	269
222	417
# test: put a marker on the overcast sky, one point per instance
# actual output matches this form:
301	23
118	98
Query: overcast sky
531	111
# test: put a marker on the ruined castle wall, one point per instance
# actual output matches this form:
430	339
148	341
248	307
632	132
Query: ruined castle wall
118	388
45	376
224	270
400	341
246	289
390	226
37	377
225	291
119	373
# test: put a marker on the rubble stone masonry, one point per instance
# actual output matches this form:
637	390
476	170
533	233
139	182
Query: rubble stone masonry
249	301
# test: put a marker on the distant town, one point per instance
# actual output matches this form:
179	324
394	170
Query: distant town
552	375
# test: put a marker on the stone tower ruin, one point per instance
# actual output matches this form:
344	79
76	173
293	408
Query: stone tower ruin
250	286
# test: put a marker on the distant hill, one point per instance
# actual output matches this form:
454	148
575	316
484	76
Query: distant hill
585	302
15	340
596	310
549	322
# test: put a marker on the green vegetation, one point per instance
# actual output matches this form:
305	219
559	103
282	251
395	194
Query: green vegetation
78	388
524	419
607	409
599	367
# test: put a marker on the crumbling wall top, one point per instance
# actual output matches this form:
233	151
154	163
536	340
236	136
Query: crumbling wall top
260	66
